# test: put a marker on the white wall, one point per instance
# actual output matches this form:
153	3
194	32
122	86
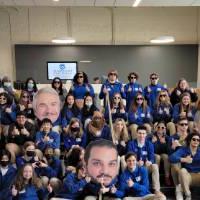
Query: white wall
93	25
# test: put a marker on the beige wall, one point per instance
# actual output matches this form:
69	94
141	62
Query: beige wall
38	25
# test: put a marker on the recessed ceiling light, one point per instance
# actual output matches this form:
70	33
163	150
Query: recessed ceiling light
64	40
136	3
162	40
56	0
85	61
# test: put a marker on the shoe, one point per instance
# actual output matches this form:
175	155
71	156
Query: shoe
179	193
168	181
188	198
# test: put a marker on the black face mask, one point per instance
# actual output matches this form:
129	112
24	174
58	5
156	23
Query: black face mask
48	156
75	129
4	163
30	153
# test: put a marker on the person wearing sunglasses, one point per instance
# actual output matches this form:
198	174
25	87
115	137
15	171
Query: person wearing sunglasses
182	87
132	88
58	86
189	158
80	88
117	109
163	110
160	141
176	141
185	109
111	86
139	114
152	90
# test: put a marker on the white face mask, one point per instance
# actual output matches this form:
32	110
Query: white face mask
30	85
7	84
89	104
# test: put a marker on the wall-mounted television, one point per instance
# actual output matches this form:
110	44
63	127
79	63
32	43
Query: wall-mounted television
65	70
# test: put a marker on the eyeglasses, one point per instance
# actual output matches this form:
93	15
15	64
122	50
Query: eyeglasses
195	139
161	127
80	76
163	95
154	78
24	96
139	99
112	74
117	98
183	124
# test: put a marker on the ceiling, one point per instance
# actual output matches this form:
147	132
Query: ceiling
110	3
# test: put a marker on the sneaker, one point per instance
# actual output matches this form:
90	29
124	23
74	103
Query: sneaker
188	198
179	193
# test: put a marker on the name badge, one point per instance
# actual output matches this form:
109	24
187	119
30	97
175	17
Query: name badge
78	139
158	89
144	152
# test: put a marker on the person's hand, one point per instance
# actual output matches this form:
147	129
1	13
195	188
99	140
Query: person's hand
14	191
30	105
49	188
21	107
154	139
148	163
88	179
15	131
104	189
42	164
130	182
122	110
140	163
178	92
8	110
25	132
188	159
175	143
113	189
46	138
105	91
123	143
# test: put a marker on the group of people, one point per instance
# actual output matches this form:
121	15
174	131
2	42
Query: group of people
59	144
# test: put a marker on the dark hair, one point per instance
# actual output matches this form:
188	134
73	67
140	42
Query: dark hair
98	143
85	77
153	74
129	154
80	165
8	97
46	120
181	119
141	127
190	136
34	84
20	113
60	87
133	73
5	152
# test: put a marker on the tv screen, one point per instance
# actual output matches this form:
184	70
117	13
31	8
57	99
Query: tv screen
63	70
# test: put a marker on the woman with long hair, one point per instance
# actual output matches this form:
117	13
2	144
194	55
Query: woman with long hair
163	110
139	114
30	87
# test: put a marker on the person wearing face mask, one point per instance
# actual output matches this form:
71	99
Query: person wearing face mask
97	128
47	138
30	87
152	90
74	135
132	88
29	155
7	175
88	110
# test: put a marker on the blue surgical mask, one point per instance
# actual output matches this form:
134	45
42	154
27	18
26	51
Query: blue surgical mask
30	85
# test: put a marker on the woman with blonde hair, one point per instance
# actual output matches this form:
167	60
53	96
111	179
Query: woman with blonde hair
120	136
163	110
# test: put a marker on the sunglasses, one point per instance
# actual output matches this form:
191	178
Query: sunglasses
117	98
133	77
154	78
163	95
183	124
161	127
80	76
57	82
139	99
195	139
113	74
